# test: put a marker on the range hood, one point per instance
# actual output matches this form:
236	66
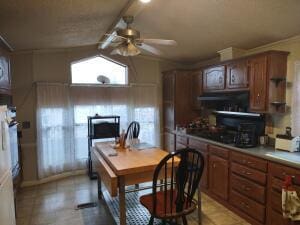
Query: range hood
236	96
239	114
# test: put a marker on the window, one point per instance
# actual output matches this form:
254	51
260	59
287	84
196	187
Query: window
98	70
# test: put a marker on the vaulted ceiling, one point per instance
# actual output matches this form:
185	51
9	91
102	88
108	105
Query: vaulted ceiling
201	27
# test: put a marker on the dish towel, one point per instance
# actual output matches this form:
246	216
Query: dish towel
290	200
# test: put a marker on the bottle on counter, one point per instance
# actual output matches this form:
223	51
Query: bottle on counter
122	139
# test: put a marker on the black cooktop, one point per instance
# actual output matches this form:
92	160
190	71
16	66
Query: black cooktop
226	138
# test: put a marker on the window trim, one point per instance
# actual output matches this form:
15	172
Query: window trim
99	84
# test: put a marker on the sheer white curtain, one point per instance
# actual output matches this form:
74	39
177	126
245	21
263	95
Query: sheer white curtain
62	120
296	101
54	130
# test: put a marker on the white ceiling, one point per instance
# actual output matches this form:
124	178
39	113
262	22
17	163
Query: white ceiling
201	27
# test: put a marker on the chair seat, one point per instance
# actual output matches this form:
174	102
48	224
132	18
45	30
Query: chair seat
147	202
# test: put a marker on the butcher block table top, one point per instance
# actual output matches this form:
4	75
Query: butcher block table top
131	161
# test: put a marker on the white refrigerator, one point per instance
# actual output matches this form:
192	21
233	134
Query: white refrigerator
7	207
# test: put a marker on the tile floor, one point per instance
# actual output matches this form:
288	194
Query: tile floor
54	204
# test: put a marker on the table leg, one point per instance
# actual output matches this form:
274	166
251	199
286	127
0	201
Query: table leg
199	207
99	187
122	202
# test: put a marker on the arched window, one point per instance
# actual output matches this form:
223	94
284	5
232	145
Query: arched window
98	70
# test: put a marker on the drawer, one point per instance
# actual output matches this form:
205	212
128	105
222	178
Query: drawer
276	201
219	151
249	173
276	184
248	188
248	206
275	218
198	145
108	177
249	161
280	171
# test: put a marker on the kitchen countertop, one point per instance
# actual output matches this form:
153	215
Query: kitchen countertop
265	152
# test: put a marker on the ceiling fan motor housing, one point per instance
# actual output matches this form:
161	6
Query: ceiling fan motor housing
129	33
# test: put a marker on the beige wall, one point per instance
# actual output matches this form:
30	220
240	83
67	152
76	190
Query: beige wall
54	66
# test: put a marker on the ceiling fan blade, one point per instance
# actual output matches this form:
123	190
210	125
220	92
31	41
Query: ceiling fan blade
158	41
115	36
150	49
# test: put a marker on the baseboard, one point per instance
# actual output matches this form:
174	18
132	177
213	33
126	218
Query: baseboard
52	178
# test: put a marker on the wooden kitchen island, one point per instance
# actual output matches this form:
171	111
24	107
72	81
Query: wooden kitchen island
128	167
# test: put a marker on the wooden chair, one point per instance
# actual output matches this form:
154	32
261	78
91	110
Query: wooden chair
175	199
133	130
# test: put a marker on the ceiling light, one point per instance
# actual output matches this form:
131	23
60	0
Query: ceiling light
145	1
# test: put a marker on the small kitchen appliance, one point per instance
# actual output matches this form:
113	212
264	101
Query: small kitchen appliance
287	142
246	136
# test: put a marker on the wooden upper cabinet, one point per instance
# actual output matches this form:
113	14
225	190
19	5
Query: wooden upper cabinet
258	83
177	99
237	75
168	87
196	89
214	79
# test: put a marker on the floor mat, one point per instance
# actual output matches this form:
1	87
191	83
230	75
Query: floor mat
136	214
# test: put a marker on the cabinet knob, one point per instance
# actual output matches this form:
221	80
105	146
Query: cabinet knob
245	205
214	165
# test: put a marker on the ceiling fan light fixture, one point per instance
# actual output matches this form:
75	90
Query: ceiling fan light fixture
126	50
145	1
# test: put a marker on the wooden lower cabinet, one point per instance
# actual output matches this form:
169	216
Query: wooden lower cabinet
276	176
218	176
249	185
248	206
203	148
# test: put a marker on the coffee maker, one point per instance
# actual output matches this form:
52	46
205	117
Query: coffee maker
246	136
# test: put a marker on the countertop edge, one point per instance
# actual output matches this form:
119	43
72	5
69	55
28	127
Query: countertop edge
259	151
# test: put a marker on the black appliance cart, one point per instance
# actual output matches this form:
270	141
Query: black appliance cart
100	127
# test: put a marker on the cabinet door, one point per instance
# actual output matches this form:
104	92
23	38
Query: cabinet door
218	176
168	86
4	74
237	76
204	178
7	208
169	116
258	83
196	89
214	79
169	142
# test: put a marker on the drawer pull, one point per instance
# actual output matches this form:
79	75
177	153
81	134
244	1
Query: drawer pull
246	173
245	205
245	188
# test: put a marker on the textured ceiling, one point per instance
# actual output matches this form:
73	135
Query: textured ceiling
43	24
201	27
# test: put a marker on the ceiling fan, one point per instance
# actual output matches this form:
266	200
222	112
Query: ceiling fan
127	42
